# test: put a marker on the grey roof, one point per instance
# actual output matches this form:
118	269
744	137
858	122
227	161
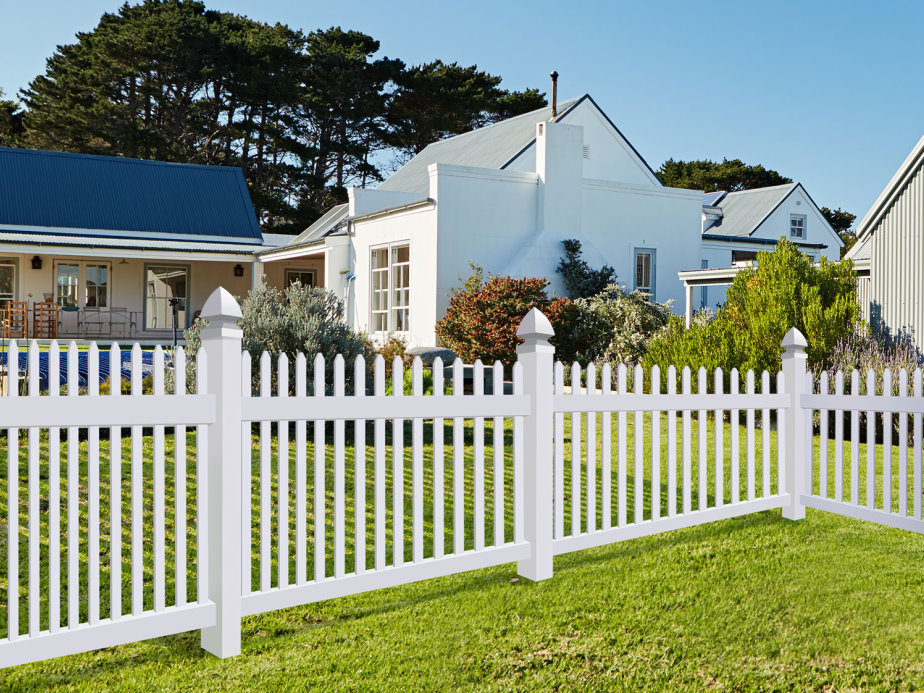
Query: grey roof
274	240
492	146
711	199
744	211
333	216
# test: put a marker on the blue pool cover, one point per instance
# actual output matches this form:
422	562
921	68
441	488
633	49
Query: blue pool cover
147	366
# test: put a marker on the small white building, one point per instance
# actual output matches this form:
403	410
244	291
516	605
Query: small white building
503	197
890	247
737	225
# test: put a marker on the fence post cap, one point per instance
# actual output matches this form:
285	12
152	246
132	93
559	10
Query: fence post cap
535	326
794	340
221	307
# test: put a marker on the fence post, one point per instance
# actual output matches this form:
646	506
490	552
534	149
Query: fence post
536	356
222	343
794	360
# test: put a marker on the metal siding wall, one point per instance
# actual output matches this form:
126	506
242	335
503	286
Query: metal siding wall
896	263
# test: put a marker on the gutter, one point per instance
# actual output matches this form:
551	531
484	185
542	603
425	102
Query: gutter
758	241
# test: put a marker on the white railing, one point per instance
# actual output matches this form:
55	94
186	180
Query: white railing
322	486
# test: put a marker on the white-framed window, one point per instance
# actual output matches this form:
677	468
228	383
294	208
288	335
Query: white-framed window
797	226
162	284
7	282
307	277
83	284
645	259
390	288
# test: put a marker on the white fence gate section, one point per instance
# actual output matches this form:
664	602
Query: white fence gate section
177	517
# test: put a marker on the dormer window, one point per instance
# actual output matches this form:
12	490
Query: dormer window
797	226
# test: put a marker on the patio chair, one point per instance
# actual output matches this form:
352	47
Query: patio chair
97	322
15	320
45	320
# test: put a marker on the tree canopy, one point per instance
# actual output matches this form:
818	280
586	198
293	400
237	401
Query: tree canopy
303	114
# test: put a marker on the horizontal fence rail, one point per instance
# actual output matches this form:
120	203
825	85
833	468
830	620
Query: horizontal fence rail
199	489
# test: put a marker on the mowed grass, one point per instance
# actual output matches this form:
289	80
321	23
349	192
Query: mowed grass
752	603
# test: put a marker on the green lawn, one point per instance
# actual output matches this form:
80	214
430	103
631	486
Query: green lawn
754	603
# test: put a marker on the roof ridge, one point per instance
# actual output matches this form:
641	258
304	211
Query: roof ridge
763	189
114	158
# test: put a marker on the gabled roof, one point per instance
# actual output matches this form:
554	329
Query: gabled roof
114	197
744	211
906	171
493	146
710	199
322	226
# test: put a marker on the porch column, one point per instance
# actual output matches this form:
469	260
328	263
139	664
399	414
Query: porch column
688	313
256	274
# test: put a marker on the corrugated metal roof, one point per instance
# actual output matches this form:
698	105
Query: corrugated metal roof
80	191
710	199
129	243
743	211
320	228
492	146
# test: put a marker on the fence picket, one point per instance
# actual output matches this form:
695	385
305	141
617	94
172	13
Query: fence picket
246	476
339	476
202	510
916	432
622	474
115	477
417	486
282	476
734	417
266	479
478	445
606	471
519	510
559	455
397	467
33	517
497	438
179	476
824	389
458	470
439	471
159	473
93	526
719	425
749	379
575	453
671	444
359	474
137	486
320	476
871	443
903	447
839	440
54	493
655	389
73	494
591	521
638	434
780	444
301	474
686	476
12	458
765	437
702	461
379	471
887	444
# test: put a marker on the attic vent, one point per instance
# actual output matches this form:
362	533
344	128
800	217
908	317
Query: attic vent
798	202
586	151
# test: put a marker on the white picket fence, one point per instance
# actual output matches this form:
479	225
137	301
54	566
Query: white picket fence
346	488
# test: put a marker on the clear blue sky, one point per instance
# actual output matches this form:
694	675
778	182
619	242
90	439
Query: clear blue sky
827	93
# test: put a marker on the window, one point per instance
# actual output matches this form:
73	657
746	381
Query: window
645	271
743	256
162	284
82	284
7	283
703	292
66	283
797	226
97	286
305	277
390	268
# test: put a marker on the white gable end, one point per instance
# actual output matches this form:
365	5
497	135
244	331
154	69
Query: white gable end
815	228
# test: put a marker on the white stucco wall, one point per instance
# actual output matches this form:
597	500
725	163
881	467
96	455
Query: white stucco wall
817	229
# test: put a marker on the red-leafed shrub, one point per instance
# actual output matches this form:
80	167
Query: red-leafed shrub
483	316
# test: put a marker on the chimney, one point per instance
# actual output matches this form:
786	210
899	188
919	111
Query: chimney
554	75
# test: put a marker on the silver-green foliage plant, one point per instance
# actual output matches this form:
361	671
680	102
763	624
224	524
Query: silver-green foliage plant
616	326
300	319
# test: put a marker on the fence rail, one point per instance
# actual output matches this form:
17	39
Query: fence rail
153	510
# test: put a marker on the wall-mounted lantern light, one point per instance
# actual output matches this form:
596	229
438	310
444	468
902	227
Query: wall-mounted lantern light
239	270
36	263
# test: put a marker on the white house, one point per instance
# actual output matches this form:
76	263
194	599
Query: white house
503	197
890	247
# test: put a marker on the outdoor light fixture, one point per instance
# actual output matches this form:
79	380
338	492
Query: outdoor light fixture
36	262
239	270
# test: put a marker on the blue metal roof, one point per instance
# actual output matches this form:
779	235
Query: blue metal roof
128	197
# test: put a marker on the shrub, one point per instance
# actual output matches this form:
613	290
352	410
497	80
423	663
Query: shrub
483	316
784	290
617	326
299	319
865	350
580	280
